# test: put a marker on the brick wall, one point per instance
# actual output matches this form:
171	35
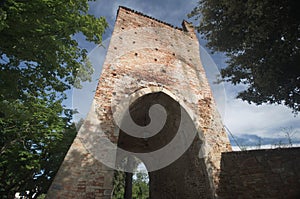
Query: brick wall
273	173
144	53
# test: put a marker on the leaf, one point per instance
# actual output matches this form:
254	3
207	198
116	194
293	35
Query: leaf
260	54
39	61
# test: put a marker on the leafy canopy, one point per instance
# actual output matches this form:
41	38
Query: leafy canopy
39	60
261	40
38	48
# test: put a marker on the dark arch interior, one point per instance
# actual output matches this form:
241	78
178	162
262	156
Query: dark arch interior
187	176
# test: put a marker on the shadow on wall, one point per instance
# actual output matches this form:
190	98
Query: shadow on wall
271	173
81	176
185	176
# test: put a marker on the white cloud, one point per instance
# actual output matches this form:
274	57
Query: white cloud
264	120
240	116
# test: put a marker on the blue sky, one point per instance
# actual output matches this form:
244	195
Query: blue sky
247	122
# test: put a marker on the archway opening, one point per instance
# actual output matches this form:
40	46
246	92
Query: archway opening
131	185
186	176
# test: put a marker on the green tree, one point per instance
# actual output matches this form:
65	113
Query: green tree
51	158
261	40
140	189
132	185
119	185
123	182
39	60
140	185
34	140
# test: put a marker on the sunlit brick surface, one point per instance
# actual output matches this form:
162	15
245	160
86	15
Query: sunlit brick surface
146	53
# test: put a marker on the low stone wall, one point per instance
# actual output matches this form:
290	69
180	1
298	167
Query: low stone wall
271	173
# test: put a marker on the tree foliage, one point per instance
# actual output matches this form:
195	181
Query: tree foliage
140	189
140	185
34	140
51	158
119	185
39	60
261	40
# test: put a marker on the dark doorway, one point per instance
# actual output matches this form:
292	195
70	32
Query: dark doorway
186	177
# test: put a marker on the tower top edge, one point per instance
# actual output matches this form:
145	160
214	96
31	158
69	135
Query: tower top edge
184	29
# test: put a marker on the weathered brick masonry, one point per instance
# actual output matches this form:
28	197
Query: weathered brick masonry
149	61
260	174
147	57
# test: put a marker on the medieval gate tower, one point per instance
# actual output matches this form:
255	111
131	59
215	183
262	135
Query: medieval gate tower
153	102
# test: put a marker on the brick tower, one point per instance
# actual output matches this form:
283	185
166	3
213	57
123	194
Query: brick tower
148	62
